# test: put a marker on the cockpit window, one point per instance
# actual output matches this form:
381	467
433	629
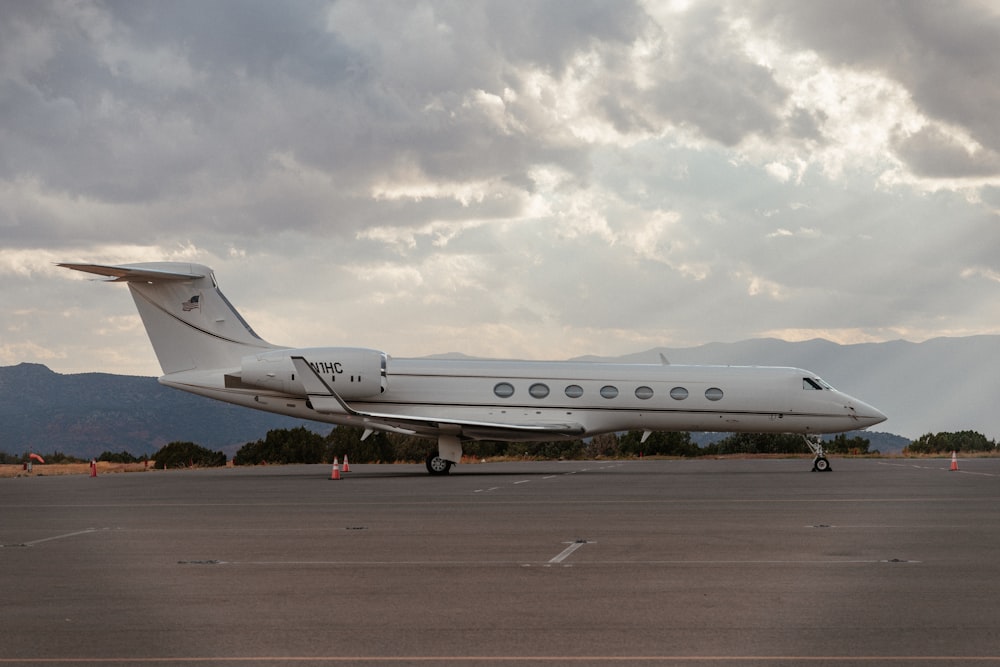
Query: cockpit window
811	383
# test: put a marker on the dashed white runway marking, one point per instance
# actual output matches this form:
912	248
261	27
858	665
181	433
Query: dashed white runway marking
573	546
49	539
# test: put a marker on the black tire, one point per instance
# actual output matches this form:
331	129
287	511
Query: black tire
437	465
821	464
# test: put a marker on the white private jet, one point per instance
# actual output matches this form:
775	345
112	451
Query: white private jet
205	347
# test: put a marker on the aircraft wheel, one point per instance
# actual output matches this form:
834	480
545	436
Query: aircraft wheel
437	465
821	464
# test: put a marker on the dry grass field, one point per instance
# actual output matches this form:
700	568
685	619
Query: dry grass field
51	469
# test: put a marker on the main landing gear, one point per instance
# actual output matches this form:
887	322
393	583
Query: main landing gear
820	463
449	452
437	465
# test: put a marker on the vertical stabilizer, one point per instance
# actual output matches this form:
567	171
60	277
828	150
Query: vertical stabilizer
190	323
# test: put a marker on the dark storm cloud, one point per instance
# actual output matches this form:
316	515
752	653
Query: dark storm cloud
935	154
146	103
712	84
944	54
150	102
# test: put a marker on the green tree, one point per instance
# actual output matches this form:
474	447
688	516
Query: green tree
841	444
603	446
662	443
411	449
554	450
297	445
759	443
483	449
347	441
120	457
187	454
960	441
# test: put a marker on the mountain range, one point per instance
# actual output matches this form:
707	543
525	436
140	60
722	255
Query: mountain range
86	414
944	384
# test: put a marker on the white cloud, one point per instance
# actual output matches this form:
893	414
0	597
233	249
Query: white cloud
982	272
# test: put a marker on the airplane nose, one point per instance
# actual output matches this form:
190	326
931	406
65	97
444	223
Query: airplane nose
865	414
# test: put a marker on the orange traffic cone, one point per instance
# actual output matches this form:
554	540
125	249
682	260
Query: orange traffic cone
335	473
347	466
954	462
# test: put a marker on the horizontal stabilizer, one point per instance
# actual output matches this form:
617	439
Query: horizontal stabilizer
126	273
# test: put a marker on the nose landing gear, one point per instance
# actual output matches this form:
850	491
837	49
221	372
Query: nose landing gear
820	463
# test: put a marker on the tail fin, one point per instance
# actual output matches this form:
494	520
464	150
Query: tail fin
191	325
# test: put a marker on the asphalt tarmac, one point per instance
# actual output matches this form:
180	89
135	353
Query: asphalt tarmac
704	562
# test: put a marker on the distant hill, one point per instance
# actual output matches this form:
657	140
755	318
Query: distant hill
945	384
86	414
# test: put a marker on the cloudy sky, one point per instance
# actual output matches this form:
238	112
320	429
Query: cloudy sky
506	179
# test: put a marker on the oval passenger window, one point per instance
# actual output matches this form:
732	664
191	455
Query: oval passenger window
538	390
504	390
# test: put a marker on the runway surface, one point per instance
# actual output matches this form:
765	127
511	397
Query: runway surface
757	562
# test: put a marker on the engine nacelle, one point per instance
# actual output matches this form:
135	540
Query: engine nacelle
352	372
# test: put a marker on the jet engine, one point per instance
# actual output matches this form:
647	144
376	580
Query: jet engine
352	372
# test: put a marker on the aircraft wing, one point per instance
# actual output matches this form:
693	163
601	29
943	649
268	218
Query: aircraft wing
324	399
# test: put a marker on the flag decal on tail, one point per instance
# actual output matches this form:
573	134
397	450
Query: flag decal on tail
192	303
